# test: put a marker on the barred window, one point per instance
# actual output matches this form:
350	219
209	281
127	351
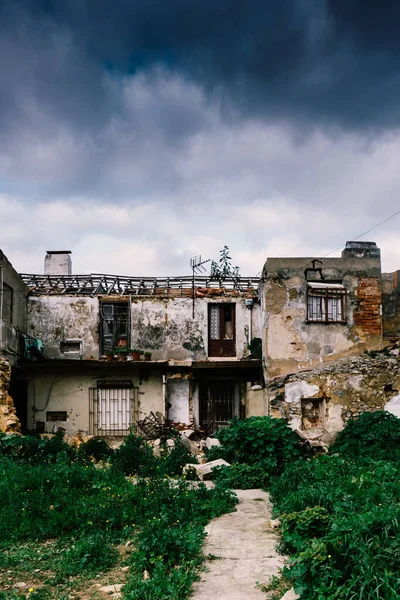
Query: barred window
326	303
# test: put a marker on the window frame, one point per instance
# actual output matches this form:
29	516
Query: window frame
326	291
222	346
114	320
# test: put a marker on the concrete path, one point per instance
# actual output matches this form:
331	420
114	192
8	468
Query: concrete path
246	547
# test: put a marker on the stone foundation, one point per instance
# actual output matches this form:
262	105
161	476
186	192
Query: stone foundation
9	422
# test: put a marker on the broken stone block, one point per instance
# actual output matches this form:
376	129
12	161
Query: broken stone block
210	442
191	446
205	472
170	444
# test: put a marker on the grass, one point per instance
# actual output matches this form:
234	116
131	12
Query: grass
341	525
65	523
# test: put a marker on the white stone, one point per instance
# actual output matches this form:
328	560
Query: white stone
290	595
205	472
210	442
393	406
111	589
297	390
191	446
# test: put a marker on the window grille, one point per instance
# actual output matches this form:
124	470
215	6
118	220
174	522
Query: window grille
326	303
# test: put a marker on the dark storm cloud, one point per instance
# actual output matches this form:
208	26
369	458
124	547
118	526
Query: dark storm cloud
329	61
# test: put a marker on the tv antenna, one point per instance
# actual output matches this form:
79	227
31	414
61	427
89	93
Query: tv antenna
197	266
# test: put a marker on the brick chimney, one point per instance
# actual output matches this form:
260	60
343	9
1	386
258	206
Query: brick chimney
58	262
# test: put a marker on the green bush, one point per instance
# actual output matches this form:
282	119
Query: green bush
372	434
265	442
341	524
35	449
242	477
96	449
176	459
134	457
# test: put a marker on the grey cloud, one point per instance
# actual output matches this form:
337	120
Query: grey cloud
320	61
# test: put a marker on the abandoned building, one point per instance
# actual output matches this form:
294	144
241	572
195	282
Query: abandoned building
198	370
329	329
326	324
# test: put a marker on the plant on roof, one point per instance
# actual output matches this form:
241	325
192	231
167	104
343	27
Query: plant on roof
223	268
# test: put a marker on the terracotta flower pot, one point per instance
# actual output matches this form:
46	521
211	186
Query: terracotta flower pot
147	357
135	355
122	356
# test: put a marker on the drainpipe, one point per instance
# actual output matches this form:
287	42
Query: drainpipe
164	395
249	303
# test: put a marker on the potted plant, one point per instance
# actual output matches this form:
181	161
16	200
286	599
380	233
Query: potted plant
109	356
147	356
122	353
135	353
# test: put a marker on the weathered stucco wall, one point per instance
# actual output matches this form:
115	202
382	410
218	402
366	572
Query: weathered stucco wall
54	319
341	390
167	328
290	344
163	326
56	390
9	340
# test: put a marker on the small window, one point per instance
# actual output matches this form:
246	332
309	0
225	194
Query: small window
8	303
326	303
71	347
313	413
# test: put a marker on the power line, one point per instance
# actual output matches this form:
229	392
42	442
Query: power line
365	232
354	239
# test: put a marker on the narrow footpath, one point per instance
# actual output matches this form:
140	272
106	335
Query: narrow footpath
245	546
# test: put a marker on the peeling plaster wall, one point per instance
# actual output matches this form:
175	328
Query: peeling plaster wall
290	344
347	387
53	319
178	392
163	326
166	327
57	390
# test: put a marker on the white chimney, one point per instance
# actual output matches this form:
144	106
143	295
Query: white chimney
58	262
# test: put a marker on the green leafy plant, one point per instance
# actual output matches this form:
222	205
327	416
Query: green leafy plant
341	524
372	434
255	347
96	449
266	442
88	554
242	477
223	268
134	457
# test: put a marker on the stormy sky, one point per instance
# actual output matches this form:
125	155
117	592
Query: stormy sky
139	133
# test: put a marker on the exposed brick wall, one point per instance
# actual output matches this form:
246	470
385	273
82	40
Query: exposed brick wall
368	316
